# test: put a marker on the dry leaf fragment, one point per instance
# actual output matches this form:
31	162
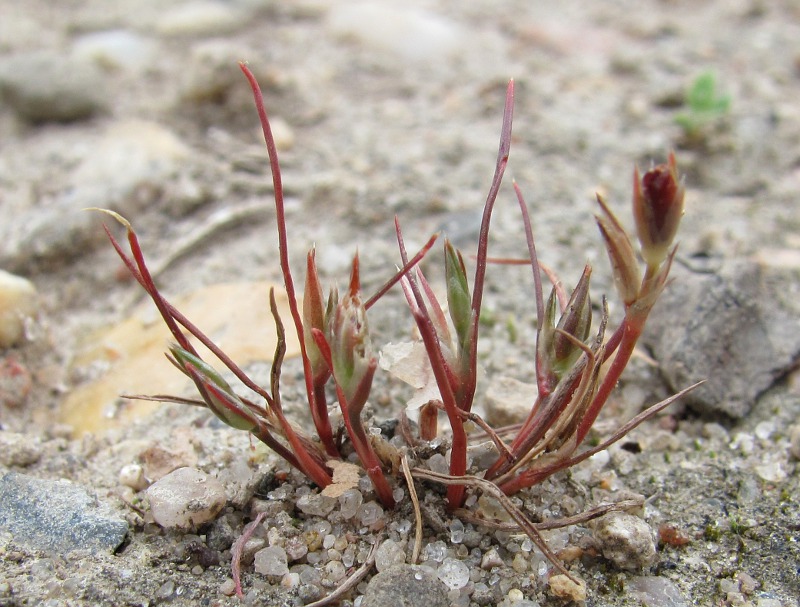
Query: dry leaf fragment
345	476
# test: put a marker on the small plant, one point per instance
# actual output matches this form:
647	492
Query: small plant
336	350
705	106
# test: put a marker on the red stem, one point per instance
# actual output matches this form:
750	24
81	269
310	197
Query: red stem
319	417
468	391
355	428
458	453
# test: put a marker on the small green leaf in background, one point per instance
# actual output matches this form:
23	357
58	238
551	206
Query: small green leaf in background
705	104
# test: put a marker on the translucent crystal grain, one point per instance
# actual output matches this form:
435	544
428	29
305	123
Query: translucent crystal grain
453	573
456	531
349	502
436	551
316	504
370	513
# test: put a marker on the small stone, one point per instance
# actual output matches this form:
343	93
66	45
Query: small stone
335	571
405	586
656	591
132	476
626	540
228	587
185	499
563	587
370	513
19	449
166	590
436	551
454	573
520	563
508	401
407	33
389	553
491	559
117	49
45	86
794	441
316	504
308	593
296	548
456	531
515	595
290	580
57	516
349	502
18	304
202	17
271	561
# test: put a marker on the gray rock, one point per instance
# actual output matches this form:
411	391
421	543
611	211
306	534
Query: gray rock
19	449
132	161
56	516
738	328
405	586
44	86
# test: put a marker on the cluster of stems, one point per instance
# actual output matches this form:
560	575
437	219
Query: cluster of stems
338	357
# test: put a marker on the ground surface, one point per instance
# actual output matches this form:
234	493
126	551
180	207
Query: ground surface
383	109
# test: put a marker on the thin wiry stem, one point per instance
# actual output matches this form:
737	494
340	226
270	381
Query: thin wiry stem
483	243
283	246
412	492
458	456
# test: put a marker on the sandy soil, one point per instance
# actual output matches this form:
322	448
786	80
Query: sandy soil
381	109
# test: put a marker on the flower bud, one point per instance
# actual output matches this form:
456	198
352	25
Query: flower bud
313	316
547	378
459	301
657	208
576	320
351	350
627	276
216	392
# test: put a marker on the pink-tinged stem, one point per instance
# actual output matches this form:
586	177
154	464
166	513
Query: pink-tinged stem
321	422
458	453
529	478
355	426
631	330
401	272
541	380
468	391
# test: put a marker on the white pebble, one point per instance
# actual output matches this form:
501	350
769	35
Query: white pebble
335	571
491	559
18	304
316	504
626	540
271	561
132	476
389	553
290	580
411	34
794	441
185	498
